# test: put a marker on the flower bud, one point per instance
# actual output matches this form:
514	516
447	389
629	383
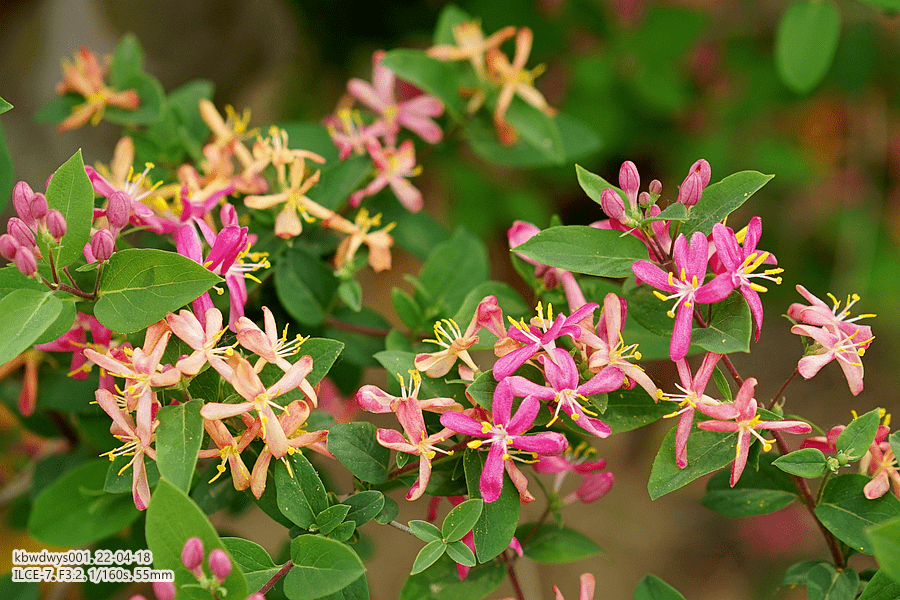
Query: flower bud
655	188
164	590
256	596
8	246
192	553
102	245
19	230
691	189
39	206
22	195
219	564
645	200
630	182
25	262
613	205
702	167
118	209
56	224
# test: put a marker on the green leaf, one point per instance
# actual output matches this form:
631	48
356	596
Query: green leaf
847	513
75	511
451	16
425	531
324	353
17	590
26	315
364	506
354	444
824	582
673	212
756	493
652	587
885	540
895	443
140	285
797	574
496	527
805	43
729	327
461	554
537	130
172	518
339	179
707	451
556	545
301	493
152	101
305	285
431	75
441	582
808	463
4	106
855	440
407	309
428	555
583	249
390	511
321	567
178	440
127	60
593	185
630	409
331	517
891	6
358	590
578	139
881	587
461	519
452	269
70	192
121	483
62	324
253	560
508	299
722	384
721	199
350	292
343	532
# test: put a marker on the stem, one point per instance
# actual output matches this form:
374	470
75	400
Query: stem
537	526
53	266
69	275
725	359
281	573
351	327
511	573
401	527
781	391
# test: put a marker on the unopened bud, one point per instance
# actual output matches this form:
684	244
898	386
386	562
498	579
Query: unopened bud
691	190
702	167
219	564
118	210
645	200
25	262
22	195
102	245
258	596
192	552
19	230
56	224
655	188
630	182
164	590
613	205
8	246
39	206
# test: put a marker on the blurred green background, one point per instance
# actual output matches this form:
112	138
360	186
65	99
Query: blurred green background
662	84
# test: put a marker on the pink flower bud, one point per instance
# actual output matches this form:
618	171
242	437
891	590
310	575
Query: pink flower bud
691	189
192	553
56	224
613	205
39	206
118	210
219	564
8	246
702	167
164	590
19	230
256	596
645	199
655	188
102	245
25	262
630	181
22	195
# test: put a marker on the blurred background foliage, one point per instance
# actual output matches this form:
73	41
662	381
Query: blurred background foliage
661	83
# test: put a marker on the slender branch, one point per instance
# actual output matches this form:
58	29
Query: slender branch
401	527
281	573
69	275
511	573
353	328
537	526
781	391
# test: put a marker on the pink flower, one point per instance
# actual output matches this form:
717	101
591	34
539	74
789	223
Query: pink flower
829	346
393	167
137	435
376	400
688	288
471	45
202	338
84	76
594	484
454	342
293	195
747	423
350	135
834	318
881	463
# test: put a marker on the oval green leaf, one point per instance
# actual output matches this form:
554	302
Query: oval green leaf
26	315
496	527
556	545
70	192
178	440
582	249
428	555
253	560
461	519
321	567
886	543
652	587
721	199
354	444
808	463
707	451
805	44
847	513
756	493
301	493
855	440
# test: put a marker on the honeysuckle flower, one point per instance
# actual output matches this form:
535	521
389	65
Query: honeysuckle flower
522	231
137	436
881	463
586	591
84	76
594	484
293	195
376	400
417	442
515	80
393	167
454	342
358	233
273	150
75	341
562	376
203	339
686	287
541	334
692	399
609	349
830	346
415	114
229	132
261	399
504	435
332	401
350	134
471	45
738	257
696	181
30	360
747	423
835	319
122	178
229	450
